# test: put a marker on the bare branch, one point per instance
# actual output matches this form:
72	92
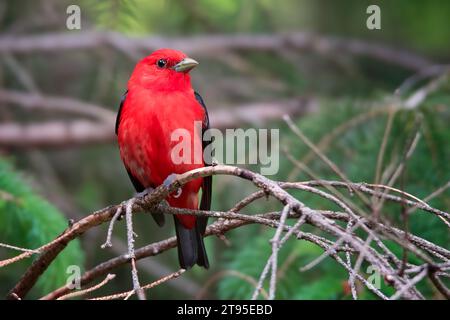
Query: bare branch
108	242
108	278
275	248
221	274
403	290
439	285
80	132
35	101
8	246
131	254
317	218
210	45
55	134
128	294
320	154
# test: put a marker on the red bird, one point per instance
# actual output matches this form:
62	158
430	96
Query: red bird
160	100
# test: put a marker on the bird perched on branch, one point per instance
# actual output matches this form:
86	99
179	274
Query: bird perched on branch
159	101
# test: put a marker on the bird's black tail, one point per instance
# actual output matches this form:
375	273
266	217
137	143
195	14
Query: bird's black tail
191	249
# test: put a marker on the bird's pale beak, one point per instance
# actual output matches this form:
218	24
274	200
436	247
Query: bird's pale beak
185	65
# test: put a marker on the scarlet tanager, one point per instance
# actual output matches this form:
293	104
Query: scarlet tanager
160	100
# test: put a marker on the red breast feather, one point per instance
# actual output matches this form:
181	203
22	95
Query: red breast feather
147	122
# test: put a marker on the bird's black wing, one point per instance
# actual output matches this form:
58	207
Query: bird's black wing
158	217
205	203
191	248
122	100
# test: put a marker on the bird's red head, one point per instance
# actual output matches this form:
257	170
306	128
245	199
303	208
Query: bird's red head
163	70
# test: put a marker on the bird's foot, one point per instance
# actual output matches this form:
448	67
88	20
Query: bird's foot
142	194
170	179
214	162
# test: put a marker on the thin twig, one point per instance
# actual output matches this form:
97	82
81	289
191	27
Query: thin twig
108	242
357	265
130	241
8	246
433	195
339	131
146	287
275	247
330	251
264	273
439	285
321	155
380	157
108	278
410	284
349	263
222	274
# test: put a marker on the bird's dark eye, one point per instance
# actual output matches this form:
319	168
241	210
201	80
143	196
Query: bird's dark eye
161	63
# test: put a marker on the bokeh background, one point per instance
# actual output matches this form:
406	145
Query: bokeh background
338	80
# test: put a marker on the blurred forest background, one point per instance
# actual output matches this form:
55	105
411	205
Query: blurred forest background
338	79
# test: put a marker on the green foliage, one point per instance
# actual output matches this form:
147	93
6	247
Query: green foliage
355	151
95	177
26	220
347	18
117	15
250	258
